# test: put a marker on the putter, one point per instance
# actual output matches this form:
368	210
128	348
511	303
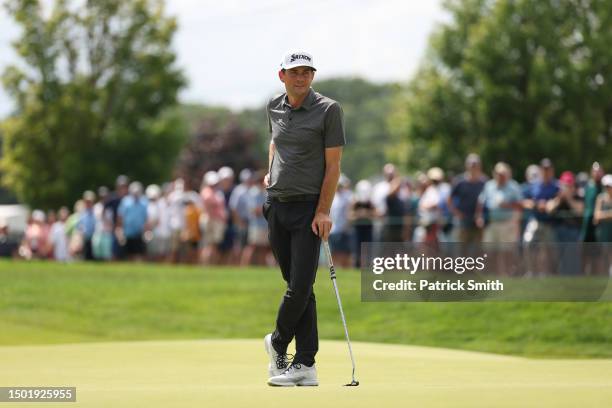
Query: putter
332	274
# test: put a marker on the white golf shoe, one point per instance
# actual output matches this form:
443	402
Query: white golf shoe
297	374
278	362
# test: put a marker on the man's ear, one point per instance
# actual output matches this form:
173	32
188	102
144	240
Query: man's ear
281	76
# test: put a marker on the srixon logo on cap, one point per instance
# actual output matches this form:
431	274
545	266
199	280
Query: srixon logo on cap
299	56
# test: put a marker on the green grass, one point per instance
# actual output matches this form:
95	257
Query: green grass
43	303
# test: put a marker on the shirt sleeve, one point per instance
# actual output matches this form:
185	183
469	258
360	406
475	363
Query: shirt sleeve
334	126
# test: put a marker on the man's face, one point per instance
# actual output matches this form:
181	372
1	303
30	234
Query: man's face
297	80
548	173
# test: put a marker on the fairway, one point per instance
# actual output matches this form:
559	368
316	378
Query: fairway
231	373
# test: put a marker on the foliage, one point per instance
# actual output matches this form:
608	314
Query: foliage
513	80
91	92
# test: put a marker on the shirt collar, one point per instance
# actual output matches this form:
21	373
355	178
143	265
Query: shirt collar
308	101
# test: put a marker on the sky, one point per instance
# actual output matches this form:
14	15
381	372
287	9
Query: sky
230	50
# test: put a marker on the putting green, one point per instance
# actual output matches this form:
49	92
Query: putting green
227	373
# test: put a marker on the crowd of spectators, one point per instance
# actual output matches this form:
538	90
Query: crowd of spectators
222	223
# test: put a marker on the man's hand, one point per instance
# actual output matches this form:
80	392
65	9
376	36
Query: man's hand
266	180
321	225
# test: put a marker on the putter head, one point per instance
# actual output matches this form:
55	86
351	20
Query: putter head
353	383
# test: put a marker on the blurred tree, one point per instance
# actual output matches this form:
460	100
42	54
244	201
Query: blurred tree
366	106
216	144
91	95
514	80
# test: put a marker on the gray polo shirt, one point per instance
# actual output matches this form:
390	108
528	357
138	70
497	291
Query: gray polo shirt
300	137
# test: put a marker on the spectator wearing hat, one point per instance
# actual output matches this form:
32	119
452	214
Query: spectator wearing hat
176	218
214	217
132	221
340	237
463	200
540	227
592	190
58	239
501	198
158	238
87	224
228	252
380	191
429	207
34	244
191	234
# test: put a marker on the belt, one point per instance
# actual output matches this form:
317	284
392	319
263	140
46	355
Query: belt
296	198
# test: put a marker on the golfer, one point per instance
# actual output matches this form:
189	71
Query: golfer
307	135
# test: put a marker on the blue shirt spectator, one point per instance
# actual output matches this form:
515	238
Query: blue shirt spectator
133	212
87	223
542	191
493	196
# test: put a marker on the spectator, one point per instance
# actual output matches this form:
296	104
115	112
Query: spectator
603	211
132	221
112	205
501	197
566	208
362	214
58	237
533	174
215	217
381	189
102	241
379	199
191	233
34	245
239	207
8	248
592	190
393	227
540	226
258	248
75	237
87	224
464	198
227	252
340	236
176	216
429	208
158	238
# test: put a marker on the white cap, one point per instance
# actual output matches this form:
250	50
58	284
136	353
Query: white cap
297	59
153	192
363	190
435	174
135	188
606	180
225	172
38	215
211	178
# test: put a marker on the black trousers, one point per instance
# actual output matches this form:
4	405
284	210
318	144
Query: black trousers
296	249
